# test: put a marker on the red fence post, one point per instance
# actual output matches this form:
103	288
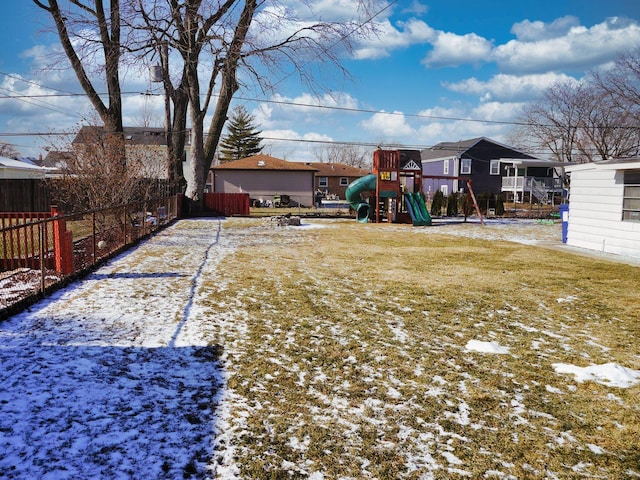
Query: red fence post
62	244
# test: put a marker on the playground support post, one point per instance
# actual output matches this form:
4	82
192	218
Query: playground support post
475	203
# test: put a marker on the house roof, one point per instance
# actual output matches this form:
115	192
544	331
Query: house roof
536	162
338	170
459	148
19	165
610	164
132	135
264	162
56	159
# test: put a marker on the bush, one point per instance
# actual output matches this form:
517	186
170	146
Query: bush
452	205
436	204
500	205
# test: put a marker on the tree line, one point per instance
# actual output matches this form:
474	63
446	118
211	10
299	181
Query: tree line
597	118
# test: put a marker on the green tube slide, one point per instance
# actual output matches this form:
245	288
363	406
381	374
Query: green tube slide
418	210
352	195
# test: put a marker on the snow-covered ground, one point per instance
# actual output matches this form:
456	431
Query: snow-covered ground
117	376
108	378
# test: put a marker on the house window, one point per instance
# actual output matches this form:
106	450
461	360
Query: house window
344	181
445	170
323	181
494	167
445	190
631	199
465	166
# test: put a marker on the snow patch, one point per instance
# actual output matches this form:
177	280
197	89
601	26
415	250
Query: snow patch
486	347
610	374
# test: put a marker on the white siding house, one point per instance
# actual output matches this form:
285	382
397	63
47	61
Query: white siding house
16	169
604	208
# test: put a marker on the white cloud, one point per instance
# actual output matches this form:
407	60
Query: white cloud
389	38
262	115
388	125
308	102
450	49
509	87
497	111
416	7
580	48
442	113
291	145
527	31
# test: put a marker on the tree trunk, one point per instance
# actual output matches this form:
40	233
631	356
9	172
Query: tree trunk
195	173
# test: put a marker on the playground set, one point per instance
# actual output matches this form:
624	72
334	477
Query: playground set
394	190
396	184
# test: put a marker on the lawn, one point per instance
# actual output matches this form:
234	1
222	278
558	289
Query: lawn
382	351
235	348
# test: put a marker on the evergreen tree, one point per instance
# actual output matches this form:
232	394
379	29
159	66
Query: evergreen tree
436	203
452	205
242	139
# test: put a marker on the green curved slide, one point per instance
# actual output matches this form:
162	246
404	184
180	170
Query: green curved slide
352	195
418	210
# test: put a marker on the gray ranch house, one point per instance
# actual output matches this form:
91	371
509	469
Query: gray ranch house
264	177
492	167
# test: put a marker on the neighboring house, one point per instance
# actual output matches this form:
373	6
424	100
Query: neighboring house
55	162
332	179
263	177
146	148
604	207
56	159
17	169
492	167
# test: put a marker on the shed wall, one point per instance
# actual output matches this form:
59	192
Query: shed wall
595	213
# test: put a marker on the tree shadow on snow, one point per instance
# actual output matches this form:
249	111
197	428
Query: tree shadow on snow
108	412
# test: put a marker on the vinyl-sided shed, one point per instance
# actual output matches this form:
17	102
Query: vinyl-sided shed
604	208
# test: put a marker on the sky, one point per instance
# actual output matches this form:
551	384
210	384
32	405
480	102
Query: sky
438	71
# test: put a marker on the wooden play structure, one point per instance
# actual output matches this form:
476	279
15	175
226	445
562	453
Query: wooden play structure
394	190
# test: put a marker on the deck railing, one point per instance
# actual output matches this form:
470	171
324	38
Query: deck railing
524	184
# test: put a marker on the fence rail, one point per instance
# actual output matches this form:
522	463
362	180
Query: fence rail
40	250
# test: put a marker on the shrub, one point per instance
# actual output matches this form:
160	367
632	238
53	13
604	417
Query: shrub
500	205
452	205
436	204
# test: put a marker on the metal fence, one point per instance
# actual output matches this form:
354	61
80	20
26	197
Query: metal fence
41	251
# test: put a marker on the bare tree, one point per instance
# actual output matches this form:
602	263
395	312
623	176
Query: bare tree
593	120
221	42
606	129
353	155
622	82
94	178
8	151
552	123
220	45
91	54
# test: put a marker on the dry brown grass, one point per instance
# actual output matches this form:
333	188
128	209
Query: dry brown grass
349	357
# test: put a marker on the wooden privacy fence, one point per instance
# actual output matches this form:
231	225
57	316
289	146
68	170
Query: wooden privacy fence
227	204
24	195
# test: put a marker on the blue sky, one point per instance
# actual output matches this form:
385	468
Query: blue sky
435	72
